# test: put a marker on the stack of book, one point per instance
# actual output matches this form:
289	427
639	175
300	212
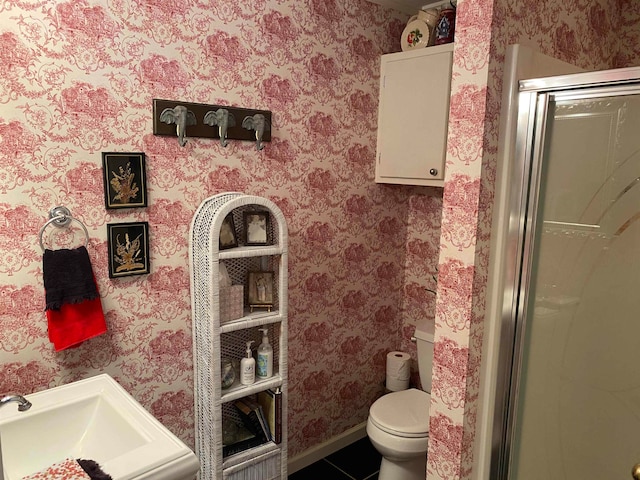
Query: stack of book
271	403
262	417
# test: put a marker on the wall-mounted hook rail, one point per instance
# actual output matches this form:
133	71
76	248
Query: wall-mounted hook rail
204	130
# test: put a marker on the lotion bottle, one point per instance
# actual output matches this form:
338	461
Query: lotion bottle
248	367
265	356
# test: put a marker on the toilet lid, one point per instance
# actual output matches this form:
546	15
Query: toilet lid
404	413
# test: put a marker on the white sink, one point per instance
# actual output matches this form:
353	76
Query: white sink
93	419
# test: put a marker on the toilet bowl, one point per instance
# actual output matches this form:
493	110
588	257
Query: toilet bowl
398	424
398	427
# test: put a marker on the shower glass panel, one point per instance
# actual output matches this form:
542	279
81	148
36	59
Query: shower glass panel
577	413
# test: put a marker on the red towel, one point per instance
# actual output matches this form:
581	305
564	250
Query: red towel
74	309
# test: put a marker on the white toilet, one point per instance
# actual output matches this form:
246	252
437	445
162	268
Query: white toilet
398	424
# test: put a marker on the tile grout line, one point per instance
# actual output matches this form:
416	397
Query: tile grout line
338	468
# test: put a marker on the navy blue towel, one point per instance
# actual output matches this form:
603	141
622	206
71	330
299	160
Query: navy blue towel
68	277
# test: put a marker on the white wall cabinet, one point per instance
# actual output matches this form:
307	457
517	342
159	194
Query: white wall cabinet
413	116
214	339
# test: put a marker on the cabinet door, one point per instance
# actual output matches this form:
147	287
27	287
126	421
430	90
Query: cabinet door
413	116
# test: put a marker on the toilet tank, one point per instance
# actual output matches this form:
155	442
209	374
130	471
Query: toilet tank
424	341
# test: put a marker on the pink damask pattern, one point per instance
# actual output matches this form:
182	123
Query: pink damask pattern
445	440
628	18
26	376
467	123
592	35
455	281
79	77
450	373
461	211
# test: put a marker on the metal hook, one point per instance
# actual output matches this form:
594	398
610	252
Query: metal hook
182	117
223	119
258	123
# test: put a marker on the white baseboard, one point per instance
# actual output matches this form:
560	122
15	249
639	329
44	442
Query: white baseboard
332	445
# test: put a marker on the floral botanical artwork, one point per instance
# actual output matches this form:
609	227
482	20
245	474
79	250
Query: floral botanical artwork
128	249
124	184
124	180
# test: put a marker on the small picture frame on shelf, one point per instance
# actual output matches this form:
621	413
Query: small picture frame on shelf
256	228
227	233
260	290
125	180
128	249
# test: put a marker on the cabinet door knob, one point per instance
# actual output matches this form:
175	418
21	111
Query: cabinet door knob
433	172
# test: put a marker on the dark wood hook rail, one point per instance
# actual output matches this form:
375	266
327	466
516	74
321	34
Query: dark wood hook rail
201	129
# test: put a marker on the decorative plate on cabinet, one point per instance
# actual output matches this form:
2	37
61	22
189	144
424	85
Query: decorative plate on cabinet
415	35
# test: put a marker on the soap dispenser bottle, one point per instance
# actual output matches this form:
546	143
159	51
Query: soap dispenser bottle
248	367
265	356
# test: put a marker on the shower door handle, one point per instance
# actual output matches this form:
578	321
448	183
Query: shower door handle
635	471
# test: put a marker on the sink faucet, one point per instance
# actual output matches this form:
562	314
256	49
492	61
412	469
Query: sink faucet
23	403
23	406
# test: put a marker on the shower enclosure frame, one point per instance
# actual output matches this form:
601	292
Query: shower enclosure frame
519	203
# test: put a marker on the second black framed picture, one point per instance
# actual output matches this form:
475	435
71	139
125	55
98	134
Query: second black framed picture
128	249
256	228
228	233
125	179
260	291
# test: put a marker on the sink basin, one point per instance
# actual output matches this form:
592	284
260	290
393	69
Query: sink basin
94	419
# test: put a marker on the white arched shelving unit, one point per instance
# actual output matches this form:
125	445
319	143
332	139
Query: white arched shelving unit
213	339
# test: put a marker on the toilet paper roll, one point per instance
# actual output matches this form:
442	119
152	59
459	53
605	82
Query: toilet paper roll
398	371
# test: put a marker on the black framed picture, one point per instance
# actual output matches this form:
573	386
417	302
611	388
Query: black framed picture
256	228
128	249
228	233
125	179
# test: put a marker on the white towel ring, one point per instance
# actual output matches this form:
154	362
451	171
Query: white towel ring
61	217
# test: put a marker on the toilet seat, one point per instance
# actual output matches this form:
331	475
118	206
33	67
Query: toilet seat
404	413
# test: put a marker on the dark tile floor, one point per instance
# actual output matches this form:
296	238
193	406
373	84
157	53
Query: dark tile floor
358	461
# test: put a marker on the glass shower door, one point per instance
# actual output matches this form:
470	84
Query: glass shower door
575	401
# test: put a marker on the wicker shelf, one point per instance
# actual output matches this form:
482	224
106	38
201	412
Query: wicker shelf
250	320
213	339
243	252
242	461
238	391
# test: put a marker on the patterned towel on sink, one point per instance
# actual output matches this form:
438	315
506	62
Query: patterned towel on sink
68	469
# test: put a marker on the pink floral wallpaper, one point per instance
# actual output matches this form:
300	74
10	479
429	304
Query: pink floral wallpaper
590	34
78	79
